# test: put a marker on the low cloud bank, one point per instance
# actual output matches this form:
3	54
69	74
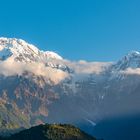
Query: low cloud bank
84	67
132	71
10	67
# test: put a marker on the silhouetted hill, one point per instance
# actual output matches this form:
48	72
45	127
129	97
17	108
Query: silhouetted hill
51	132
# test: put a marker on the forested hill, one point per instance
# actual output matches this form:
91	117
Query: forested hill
51	132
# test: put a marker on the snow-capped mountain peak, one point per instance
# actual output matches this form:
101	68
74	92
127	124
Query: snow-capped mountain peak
131	60
18	50
23	51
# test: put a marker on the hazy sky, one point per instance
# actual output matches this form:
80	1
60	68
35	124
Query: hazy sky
99	30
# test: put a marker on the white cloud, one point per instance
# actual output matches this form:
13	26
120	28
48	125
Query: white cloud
10	67
132	71
84	67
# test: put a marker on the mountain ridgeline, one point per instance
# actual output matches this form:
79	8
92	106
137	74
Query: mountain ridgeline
51	132
38	87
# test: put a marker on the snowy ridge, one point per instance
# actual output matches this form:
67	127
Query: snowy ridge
129	64
52	55
131	60
24	52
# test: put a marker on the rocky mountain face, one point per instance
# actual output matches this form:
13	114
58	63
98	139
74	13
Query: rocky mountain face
38	87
